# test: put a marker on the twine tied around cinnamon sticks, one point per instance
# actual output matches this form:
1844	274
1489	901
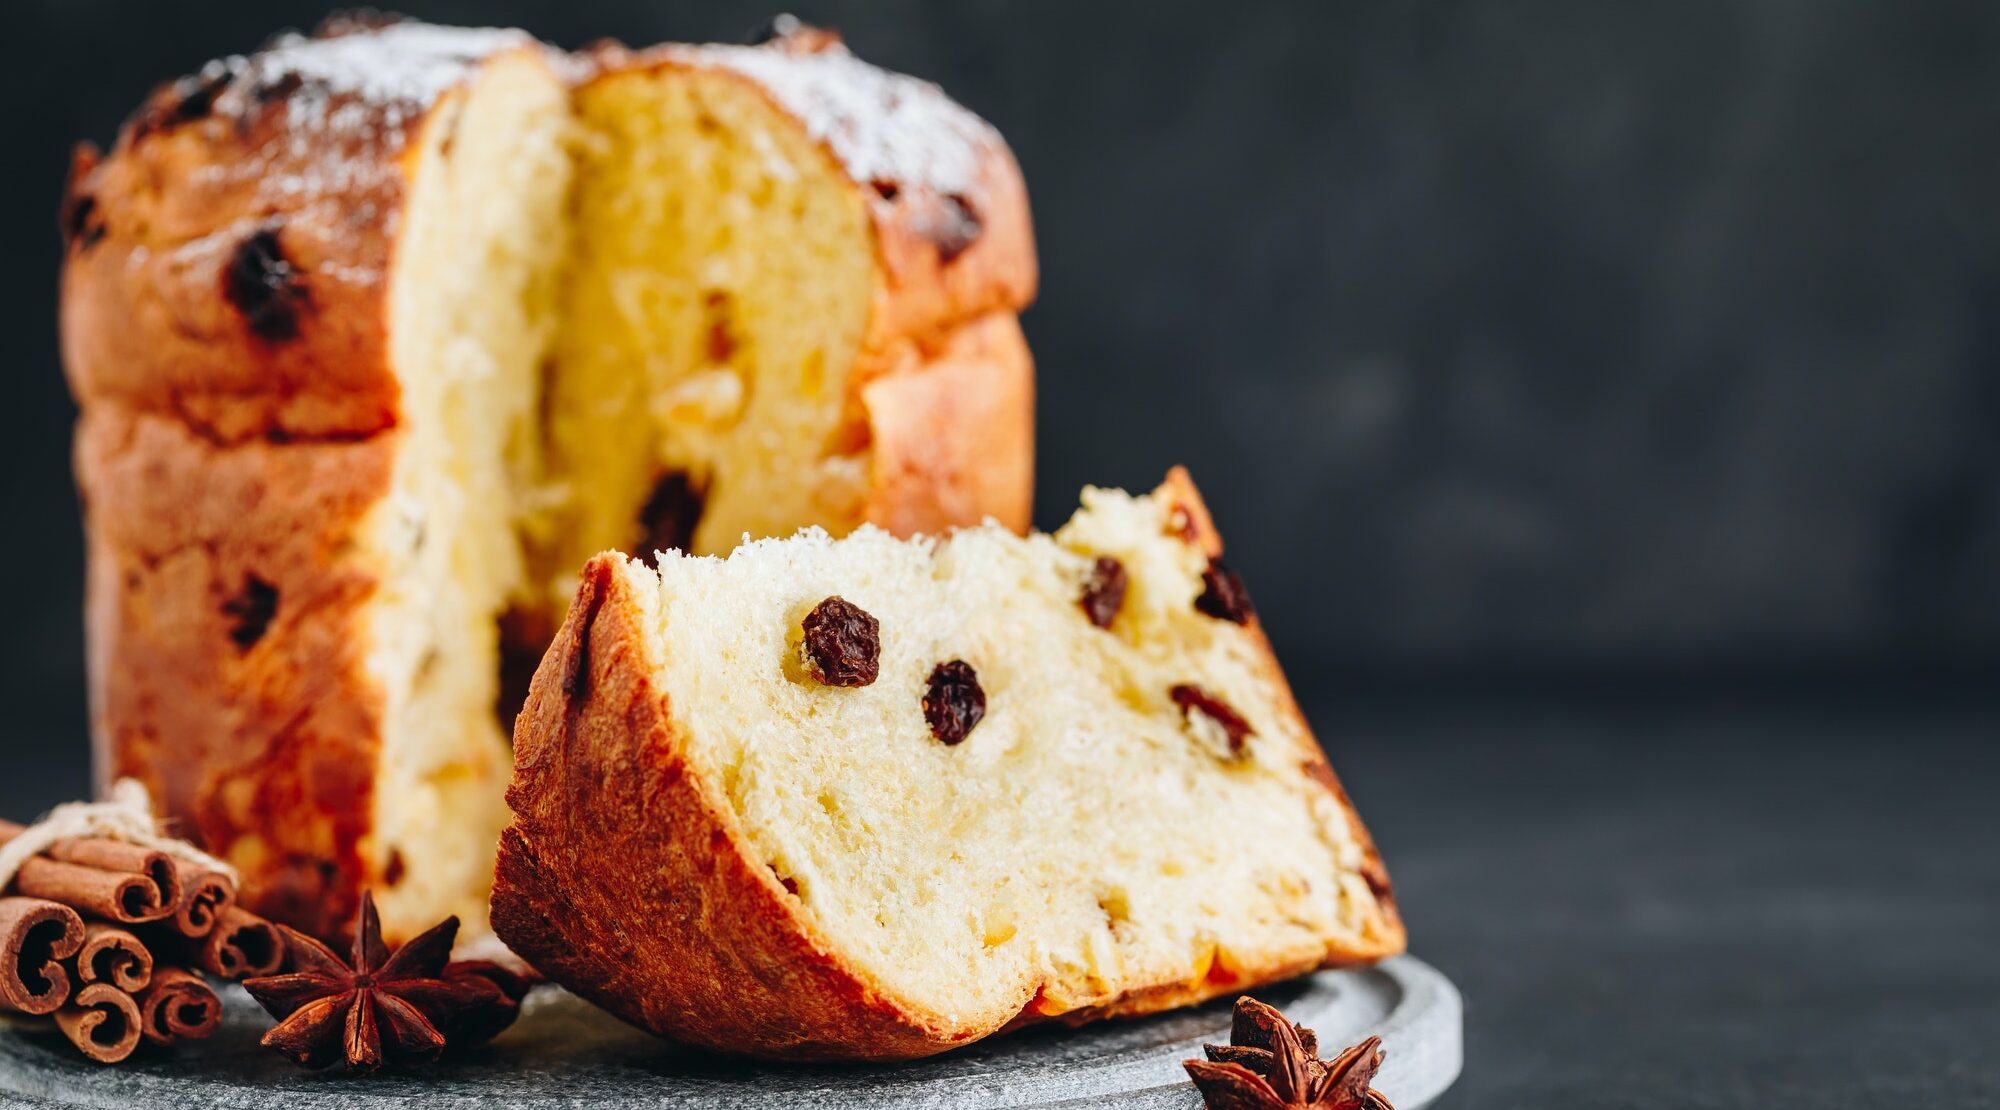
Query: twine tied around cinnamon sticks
106	925
126	816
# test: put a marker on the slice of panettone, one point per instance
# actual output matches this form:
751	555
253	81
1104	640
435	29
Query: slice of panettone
870	798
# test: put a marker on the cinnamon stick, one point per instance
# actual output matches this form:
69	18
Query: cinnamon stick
242	945
115	855
112	955
35	937
102	1021
126	897
204	896
180	1005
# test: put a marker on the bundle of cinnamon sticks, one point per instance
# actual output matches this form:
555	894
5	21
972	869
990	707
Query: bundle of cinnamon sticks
111	940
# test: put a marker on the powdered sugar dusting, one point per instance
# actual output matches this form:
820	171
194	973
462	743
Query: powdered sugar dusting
369	84
401	66
882	126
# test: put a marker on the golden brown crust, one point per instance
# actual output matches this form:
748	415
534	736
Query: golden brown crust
696	939
225	471
980	384
146	320
214	446
706	947
927	286
225	615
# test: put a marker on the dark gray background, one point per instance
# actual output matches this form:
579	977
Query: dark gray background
1602	401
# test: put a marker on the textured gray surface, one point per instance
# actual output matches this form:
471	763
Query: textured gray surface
565	1053
1687	903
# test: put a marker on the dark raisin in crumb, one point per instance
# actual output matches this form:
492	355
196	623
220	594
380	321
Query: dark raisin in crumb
264	285
954	703
721	336
1104	591
886	189
1377	878
250	611
669	516
1223	596
1193	699
393	873
956	228
843	643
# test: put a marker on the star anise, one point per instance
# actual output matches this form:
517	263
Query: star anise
382	1007
490	1002
1271	1064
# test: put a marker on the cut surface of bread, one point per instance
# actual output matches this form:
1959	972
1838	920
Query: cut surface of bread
714	312
471	305
875	798
378	334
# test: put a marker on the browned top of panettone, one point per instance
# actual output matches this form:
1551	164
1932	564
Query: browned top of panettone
227	257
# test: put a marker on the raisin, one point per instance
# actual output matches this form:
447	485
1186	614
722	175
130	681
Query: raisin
843	644
250	611
264	285
721	338
1223	596
1104	591
1193	699
1377	878
669	516
956	228
393	873
886	189
954	702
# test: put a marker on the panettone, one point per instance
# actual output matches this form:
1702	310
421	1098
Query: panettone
875	798
378	334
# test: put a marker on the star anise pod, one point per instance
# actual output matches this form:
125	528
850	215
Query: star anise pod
491	1002
381	1007
1271	1064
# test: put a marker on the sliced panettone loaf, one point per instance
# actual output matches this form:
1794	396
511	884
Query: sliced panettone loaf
378	334
872	798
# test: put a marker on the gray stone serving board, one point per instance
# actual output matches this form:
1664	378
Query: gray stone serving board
565	1053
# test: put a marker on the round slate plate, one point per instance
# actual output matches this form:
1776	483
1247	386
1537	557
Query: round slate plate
563	1052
